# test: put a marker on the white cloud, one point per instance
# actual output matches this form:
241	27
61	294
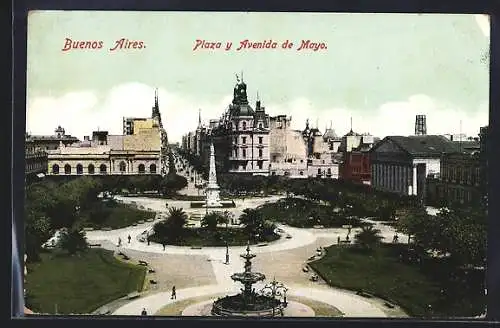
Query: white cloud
80	114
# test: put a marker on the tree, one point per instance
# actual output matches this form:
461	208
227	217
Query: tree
368	237
73	241
212	219
172	183
36	232
252	220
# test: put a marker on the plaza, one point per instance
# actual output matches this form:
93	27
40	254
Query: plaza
201	275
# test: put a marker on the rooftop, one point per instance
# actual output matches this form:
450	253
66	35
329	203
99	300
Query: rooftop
424	145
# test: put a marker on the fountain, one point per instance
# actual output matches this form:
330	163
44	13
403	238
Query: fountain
212	190
249	302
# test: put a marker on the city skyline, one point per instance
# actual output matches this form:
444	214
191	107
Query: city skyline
448	80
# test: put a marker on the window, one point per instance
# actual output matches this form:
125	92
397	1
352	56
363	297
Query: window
244	153
259	164
236	152
244	140
319	171
244	125
142	168
260	140
152	168
301	172
123	166
91	169
329	171
55	169
67	169
260	125
103	168
79	169
260	152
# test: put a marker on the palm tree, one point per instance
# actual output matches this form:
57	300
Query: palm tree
368	237
176	218
212	219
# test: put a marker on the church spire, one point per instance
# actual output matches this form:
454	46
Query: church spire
199	117
156	109
156	98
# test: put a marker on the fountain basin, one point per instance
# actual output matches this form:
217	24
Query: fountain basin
236	305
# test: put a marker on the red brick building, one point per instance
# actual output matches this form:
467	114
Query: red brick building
356	167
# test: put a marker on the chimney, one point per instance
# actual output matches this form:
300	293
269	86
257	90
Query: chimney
420	125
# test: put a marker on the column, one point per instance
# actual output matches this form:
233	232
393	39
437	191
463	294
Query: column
414	179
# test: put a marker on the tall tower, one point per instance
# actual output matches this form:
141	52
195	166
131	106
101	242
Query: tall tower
156	110
420	125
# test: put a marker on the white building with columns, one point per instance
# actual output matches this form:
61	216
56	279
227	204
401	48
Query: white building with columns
401	164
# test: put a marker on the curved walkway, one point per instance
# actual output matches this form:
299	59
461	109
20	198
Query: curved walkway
347	302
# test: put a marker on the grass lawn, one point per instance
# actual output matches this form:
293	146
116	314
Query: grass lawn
79	284
297	212
116	215
203	237
410	285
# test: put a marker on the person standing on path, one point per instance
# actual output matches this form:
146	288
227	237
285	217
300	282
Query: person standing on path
163	244
174	295
148	239
119	242
129	238
144	312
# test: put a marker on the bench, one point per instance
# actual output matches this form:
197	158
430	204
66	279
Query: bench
363	294
125	257
151	271
132	296
311	258
105	311
262	245
389	305
143	263
345	241
195	247
153	282
94	245
305	269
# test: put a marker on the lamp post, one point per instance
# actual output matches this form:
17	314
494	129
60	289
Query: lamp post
227	246
275	289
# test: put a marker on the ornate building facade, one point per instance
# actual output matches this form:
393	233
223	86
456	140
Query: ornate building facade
249	141
36	161
142	149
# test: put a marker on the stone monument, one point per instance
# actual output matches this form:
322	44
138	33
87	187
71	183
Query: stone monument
212	190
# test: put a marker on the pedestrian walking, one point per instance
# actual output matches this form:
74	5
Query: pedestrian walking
395	239
144	312
129	238
163	243
174	295
119	242
338	240
349	230
148	240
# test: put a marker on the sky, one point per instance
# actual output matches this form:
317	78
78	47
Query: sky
378	69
